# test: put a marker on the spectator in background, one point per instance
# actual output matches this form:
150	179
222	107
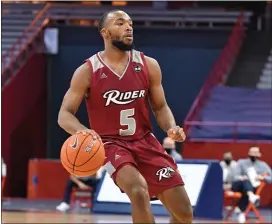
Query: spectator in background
170	147
3	174
4	169
3	178
248	175
228	165
82	183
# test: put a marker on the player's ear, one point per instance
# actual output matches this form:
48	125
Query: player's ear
104	32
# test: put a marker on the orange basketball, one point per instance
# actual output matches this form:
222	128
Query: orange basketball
81	155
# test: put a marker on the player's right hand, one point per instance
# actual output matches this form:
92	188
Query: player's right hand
91	132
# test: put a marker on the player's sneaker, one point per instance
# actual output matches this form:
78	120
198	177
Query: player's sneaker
63	207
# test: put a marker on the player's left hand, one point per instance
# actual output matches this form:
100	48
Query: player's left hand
177	134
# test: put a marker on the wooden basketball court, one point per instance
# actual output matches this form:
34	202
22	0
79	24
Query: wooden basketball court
20	210
44	211
54	217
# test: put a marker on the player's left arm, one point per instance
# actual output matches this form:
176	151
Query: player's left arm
160	108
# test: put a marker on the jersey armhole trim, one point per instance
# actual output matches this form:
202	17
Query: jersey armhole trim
146	70
91	70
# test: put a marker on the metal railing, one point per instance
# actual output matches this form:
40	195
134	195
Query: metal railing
19	45
11	57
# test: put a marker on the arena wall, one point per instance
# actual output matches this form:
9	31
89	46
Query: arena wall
24	123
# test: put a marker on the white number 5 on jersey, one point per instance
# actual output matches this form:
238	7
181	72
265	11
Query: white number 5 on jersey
126	119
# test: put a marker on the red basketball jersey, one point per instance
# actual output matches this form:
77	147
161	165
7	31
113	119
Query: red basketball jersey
118	106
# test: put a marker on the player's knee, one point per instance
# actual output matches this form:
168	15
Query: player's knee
139	194
189	214
186	214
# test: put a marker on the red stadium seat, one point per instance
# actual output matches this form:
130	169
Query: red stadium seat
232	198
84	196
252	207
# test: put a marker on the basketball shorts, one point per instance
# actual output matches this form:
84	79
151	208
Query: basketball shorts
149	157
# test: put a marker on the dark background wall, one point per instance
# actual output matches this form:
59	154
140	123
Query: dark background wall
185	57
24	123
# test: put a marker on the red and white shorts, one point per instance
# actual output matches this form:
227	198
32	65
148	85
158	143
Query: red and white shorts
149	157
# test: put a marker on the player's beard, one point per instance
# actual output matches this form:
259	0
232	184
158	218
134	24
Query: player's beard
121	45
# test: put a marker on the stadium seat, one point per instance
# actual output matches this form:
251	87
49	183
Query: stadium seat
83	196
232	198
252	207
233	112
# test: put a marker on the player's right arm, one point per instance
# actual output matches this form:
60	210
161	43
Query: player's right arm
79	87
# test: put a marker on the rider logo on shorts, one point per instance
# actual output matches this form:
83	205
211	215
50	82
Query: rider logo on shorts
165	172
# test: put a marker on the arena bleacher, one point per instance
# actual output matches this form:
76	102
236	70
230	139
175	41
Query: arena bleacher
235	113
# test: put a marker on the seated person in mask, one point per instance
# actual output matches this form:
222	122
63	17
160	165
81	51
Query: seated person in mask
170	147
228	165
80	182
247	176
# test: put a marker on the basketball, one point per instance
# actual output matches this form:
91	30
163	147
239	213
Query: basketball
81	155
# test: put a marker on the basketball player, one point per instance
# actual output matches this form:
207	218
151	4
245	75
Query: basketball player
118	84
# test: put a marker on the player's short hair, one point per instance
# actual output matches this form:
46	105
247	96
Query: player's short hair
103	18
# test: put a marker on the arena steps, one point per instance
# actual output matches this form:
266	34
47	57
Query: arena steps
265	81
251	60
235	113
15	19
19	27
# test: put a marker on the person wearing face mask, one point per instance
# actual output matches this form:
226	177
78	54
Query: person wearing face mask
247	176
228	166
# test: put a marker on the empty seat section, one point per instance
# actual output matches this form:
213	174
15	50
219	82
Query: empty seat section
235	113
